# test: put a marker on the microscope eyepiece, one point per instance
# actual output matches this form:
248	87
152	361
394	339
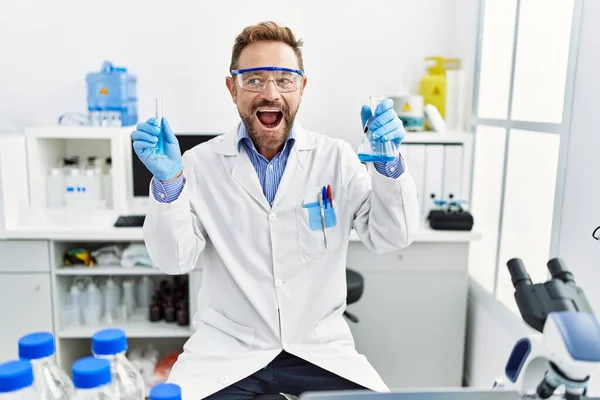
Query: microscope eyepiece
557	269
518	274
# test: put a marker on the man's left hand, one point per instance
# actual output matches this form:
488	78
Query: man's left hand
386	126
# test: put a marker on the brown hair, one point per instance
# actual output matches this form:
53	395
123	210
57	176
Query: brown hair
263	32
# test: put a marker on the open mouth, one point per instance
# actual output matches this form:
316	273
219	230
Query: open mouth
269	118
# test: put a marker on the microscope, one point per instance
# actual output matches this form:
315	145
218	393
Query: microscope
561	358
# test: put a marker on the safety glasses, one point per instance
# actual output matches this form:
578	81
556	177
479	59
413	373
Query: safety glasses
256	79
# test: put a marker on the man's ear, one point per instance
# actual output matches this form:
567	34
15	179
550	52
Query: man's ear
304	82
231	87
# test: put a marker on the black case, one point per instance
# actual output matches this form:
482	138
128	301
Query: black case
451	221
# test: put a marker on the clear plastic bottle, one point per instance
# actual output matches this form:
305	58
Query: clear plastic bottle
16	381
92	379
51	382
127	381
165	391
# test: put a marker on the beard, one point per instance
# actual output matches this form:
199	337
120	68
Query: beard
268	139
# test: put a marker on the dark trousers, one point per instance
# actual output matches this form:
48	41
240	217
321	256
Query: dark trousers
285	374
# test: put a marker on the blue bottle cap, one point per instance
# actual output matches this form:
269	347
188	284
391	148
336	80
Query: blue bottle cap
36	345
90	372
15	375
109	341
165	391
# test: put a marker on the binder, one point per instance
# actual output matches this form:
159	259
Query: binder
433	182
453	172
416	166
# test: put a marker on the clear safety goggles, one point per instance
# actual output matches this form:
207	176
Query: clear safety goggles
256	79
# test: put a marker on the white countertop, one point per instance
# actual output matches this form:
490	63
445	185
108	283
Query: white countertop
110	233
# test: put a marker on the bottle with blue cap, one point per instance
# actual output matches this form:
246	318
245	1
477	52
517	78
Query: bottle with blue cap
165	391
127	381
51	382
16	381
92	379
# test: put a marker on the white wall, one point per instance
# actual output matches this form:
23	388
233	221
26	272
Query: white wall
181	50
493	332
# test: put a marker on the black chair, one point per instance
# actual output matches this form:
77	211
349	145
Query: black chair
355	285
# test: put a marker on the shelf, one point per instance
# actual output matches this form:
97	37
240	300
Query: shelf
137	327
76	132
107	270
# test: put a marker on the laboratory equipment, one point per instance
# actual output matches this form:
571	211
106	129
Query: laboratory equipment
92	379
50	381
55	188
127	382
112	96
165	391
371	150
107	180
16	381
410	110
462	393
433	84
159	149
455	94
434	119
560	359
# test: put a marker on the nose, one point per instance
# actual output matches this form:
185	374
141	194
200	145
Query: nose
270	91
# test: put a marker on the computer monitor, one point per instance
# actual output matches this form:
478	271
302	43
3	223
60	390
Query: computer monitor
141	176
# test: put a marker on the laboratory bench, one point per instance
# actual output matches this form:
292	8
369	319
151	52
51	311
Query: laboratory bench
412	313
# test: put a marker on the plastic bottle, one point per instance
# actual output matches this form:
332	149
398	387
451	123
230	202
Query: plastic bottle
107	184
165	391
112	96
92	379
433	85
16	381
55	185
51	382
127	382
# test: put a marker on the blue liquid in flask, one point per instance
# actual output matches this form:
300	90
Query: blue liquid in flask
159	150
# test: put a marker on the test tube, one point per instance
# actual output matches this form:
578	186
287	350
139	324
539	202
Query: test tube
159	111
159	150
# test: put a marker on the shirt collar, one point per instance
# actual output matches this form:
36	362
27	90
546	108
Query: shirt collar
243	137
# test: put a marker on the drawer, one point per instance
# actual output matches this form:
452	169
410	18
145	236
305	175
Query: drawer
24	256
418	257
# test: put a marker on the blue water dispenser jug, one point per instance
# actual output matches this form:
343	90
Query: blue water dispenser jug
112	96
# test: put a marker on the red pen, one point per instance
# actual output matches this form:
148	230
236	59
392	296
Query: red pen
329	195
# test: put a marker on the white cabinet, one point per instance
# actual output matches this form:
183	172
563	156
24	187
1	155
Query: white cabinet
412	314
26	307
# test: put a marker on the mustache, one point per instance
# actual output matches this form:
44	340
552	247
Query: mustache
273	104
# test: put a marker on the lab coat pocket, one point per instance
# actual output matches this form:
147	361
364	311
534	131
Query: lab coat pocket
311	235
231	329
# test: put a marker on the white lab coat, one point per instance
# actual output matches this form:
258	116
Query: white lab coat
268	282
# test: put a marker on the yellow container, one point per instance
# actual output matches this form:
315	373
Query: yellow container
433	85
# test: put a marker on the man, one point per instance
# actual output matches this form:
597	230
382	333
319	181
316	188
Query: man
245	208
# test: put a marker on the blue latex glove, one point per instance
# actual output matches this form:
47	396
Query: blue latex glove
386	126
145	138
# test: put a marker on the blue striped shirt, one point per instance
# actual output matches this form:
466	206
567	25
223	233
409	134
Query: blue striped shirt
269	172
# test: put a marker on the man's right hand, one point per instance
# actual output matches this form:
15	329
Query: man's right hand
145	139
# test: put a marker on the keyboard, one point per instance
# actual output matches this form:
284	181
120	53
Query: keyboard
130	221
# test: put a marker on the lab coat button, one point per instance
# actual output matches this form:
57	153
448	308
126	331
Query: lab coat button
272	217
223	379
278	283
